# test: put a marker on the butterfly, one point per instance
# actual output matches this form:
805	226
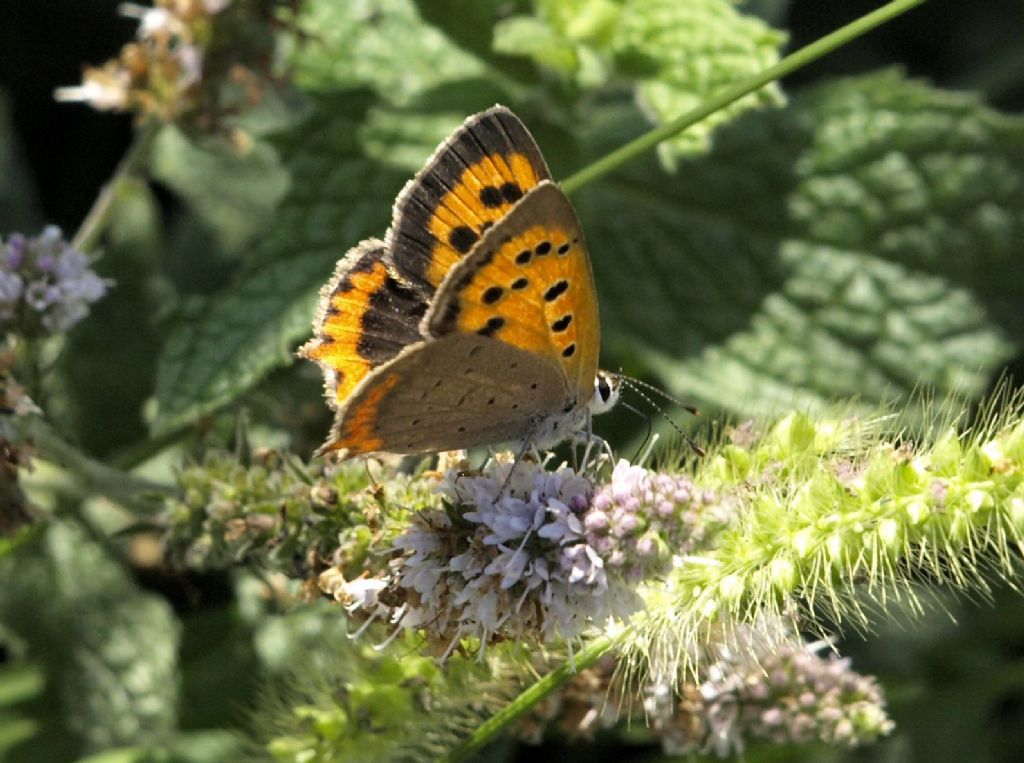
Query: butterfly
475	320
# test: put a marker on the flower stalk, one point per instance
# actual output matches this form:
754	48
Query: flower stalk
132	163
791	63
832	512
553	681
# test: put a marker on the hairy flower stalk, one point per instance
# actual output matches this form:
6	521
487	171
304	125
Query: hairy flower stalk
16	447
754	687
269	509
794	525
758	684
832	512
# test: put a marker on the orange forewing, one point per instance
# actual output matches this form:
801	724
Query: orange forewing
529	284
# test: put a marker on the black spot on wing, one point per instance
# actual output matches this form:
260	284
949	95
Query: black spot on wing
492	326
491	197
511	192
556	291
462	238
562	323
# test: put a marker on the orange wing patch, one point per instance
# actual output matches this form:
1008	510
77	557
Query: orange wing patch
529	284
483	195
355	431
473	179
522	291
366	317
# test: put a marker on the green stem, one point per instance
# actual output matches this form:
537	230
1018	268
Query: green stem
96	220
93	476
788	65
554	680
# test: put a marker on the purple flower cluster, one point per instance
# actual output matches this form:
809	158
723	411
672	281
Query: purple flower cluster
515	565
529	556
642	519
46	287
760	688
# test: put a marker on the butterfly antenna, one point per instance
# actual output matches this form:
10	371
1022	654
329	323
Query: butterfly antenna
636	384
638	387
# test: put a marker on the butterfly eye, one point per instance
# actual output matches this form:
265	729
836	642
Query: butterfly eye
606	393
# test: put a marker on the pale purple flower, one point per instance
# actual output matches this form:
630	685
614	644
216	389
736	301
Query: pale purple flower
507	558
11	288
640	518
532	553
46	286
761	683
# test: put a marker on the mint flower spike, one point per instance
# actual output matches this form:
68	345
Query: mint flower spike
549	557
46	286
828	512
761	683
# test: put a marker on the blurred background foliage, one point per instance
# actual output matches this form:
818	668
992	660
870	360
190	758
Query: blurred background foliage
852	233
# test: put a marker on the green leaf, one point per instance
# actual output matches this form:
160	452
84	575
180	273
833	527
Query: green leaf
532	37
336	198
471	26
570	38
108	650
383	45
235	339
232	189
684	52
675	54
864	240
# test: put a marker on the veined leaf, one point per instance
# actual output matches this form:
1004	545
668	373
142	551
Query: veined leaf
471	26
337	197
693	50
108	650
676	54
232	190
383	45
865	240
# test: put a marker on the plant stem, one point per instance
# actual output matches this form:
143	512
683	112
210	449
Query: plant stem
787	65
92	475
96	220
556	679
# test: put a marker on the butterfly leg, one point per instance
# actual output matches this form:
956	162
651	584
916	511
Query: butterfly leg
587	435
527	444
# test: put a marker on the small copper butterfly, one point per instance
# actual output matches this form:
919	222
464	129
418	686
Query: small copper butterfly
475	321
